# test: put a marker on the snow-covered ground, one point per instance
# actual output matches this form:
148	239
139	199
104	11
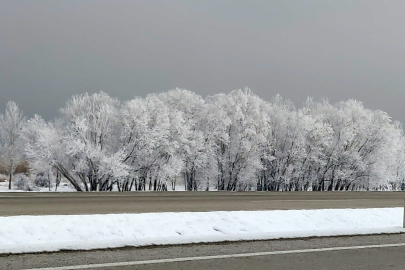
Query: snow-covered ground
39	189
52	233
61	188
66	187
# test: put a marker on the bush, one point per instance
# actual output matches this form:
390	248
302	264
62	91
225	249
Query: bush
22	182
41	181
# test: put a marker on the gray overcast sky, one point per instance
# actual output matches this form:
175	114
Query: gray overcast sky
338	49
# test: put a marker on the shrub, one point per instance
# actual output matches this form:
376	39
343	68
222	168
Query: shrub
41	181
22	182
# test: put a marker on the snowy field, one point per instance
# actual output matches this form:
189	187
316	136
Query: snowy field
81	232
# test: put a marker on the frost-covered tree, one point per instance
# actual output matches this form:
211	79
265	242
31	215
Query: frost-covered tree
284	147
234	141
83	146
194	147
357	151
150	142
91	142
45	149
396	166
11	145
244	130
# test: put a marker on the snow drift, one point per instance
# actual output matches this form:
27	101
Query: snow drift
73	232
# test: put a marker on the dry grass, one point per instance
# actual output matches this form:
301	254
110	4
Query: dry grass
23	167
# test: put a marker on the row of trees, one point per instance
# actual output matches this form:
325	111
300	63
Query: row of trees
234	141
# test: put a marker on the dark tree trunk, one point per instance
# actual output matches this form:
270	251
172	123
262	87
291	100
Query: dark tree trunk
9	181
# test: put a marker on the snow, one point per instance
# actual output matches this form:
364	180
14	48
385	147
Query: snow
61	188
19	234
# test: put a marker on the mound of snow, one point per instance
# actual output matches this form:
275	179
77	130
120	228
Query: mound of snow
52	233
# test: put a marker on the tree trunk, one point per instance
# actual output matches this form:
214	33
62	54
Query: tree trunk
58	176
49	182
9	181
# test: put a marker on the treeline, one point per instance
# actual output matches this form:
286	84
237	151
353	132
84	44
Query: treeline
234	141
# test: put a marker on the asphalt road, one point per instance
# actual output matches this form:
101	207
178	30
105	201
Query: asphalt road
352	253
134	202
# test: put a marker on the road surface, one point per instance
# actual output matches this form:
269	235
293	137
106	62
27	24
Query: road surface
352	253
141	202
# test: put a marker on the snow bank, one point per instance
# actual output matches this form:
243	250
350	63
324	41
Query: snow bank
52	233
